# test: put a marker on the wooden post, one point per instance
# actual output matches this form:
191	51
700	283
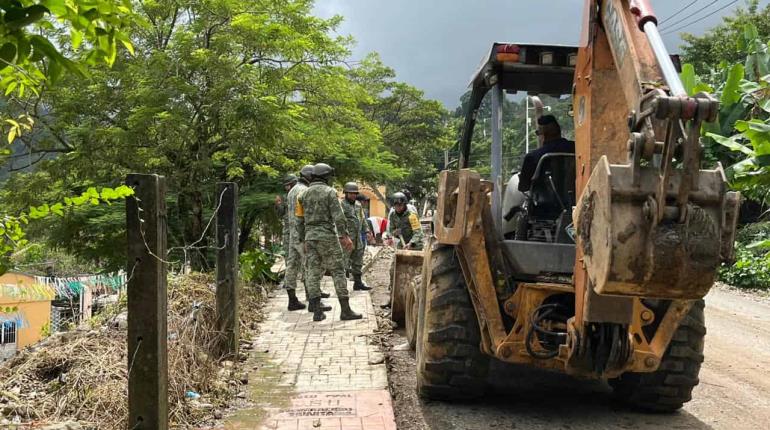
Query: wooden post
227	267
147	303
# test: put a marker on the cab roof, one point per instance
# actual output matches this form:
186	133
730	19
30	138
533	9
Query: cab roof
528	74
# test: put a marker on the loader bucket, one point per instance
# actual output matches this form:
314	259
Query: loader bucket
406	265
625	254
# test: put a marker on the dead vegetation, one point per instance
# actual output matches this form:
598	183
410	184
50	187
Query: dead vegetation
81	375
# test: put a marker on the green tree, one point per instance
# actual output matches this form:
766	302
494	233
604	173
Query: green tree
740	137
724	43
35	40
740	140
40	39
217	90
414	129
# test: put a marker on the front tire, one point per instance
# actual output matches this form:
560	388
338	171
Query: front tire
670	387
450	364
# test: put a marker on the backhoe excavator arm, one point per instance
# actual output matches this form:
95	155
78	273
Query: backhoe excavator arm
651	223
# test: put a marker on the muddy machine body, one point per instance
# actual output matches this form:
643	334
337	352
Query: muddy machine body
607	283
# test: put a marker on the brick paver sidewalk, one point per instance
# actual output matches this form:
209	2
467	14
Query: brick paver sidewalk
323	375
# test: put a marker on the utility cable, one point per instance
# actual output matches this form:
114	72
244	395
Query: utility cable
701	19
690	15
678	12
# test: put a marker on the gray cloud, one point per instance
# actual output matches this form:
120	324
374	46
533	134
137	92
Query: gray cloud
436	45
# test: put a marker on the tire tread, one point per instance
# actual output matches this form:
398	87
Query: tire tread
670	387
452	366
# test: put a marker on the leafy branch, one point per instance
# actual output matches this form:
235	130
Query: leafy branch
12	235
29	60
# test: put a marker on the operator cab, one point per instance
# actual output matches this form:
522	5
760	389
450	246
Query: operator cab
534	227
546	212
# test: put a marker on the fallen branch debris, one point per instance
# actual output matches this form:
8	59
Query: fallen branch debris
82	375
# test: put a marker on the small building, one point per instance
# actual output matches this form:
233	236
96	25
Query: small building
25	312
375	205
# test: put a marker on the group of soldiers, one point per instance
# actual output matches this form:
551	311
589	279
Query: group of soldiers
323	234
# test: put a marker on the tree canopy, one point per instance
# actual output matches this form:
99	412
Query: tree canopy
725	42
216	90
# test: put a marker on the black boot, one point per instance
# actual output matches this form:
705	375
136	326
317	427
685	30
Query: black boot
346	313
294	303
323	295
324	306
358	284
318	313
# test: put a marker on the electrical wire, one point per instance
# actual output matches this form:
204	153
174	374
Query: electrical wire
700	19
678	12
666	27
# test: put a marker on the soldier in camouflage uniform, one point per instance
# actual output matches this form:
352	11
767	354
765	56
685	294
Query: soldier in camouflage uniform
295	258
281	209
321	224
283	214
356	222
404	225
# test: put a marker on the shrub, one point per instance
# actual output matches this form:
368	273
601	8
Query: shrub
752	262
256	265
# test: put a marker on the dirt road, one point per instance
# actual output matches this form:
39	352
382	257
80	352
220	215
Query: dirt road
734	392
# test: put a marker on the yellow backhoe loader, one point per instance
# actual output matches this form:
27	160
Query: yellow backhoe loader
604	273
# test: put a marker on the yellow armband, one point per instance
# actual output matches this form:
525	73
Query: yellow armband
414	221
298	209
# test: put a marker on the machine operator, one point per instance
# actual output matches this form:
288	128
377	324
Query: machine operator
549	132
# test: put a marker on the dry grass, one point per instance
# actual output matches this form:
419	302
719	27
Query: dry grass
81	375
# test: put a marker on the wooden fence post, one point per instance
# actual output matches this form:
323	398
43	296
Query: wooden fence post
227	267
147	303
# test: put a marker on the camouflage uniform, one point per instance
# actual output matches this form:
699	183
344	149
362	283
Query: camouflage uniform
407	226
320	223
356	223
283	213
295	255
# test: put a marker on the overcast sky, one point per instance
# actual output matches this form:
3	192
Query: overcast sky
436	45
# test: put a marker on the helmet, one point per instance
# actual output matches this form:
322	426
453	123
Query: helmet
399	198
289	180
350	187
306	172
322	171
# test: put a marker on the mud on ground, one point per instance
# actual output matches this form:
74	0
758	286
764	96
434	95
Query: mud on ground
734	392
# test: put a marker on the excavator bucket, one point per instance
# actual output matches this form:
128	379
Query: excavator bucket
407	264
627	254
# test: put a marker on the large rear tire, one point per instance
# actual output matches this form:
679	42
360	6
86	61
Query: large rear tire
450	364
669	387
